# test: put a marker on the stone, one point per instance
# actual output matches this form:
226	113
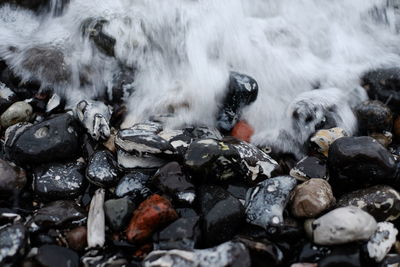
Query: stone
171	180
242	91
183	233
129	162
343	225
7	97
102	169
106	257
312	198
356	162
310	167
384	138
77	238
59	181
231	254
58	214
17	112
152	214
381	201
223	215
382	241
93	28
55	139
135	186
52	255
10	181
265	202
12	244
96	220
374	117
323	139
311	252
118	212
242	131
391	260
179	139
348	255
55	103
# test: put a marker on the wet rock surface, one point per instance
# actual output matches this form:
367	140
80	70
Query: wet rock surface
118	212
102	169
135	186
51	255
374	117
382	241
309	167
12	244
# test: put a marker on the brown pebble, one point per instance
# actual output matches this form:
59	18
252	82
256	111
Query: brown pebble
324	138
76	238
311	198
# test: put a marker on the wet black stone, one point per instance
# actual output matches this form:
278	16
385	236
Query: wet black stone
310	167
222	214
59	181
383	85
348	255
374	117
102	169
108	257
201	132
390	260
171	180
10	182
183	233
52	255
135	186
118	212
55	139
12	244
313	253
238	190
242	91
356	162
93	28
58	214
186	212
40	239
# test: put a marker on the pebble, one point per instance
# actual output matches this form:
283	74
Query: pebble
12	244
310	167
59	181
343	225
374	117
153	213
135	186
77	238
381	201
242	131
102	169
231	254
130	162
7	97
118	212
10	181
96	220
323	139
382	241
311	252
52	255
384	138
312	198
17	112
265	202
348	255
223	214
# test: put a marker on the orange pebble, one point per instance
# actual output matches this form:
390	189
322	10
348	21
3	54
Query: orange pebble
242	131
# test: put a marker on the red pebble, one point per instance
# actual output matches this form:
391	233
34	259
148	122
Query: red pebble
242	131
152	214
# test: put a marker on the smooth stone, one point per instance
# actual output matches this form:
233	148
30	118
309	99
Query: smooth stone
129	162
10	181
203	132
106	257
55	139
96	220
52	255
17	112
266	202
356	162
311	252
308	168
227	254
59	181
374	117
391	260
323	139
222	213
118	212
381	201
343	225
348	256
178	139
77	238
171	180
7	97
12	244
242	131
311	198
102	169
384	138
382	241
135	186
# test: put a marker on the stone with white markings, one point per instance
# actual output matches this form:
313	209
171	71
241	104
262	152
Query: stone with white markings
102	169
309	167
12	244
382	241
96	220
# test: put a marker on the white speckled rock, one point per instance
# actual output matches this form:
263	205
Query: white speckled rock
343	225
17	112
382	241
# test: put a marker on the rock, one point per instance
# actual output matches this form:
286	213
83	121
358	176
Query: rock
102	169
242	131
17	112
96	220
179	139
382	241
184	234
118	212
348	255
130	162
381	201
58	214
222	214
374	117
134	185
55	102
343	225
311	198
204	132
77	238
391	260
309	167
93	28
265	202
59	181
356	162
171	180
242	91
323	139
104	258
7	97
51	255
153	213
10	181
55	139
227	254
12	244
313	253
384	138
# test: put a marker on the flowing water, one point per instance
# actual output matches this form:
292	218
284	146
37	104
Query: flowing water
182	52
